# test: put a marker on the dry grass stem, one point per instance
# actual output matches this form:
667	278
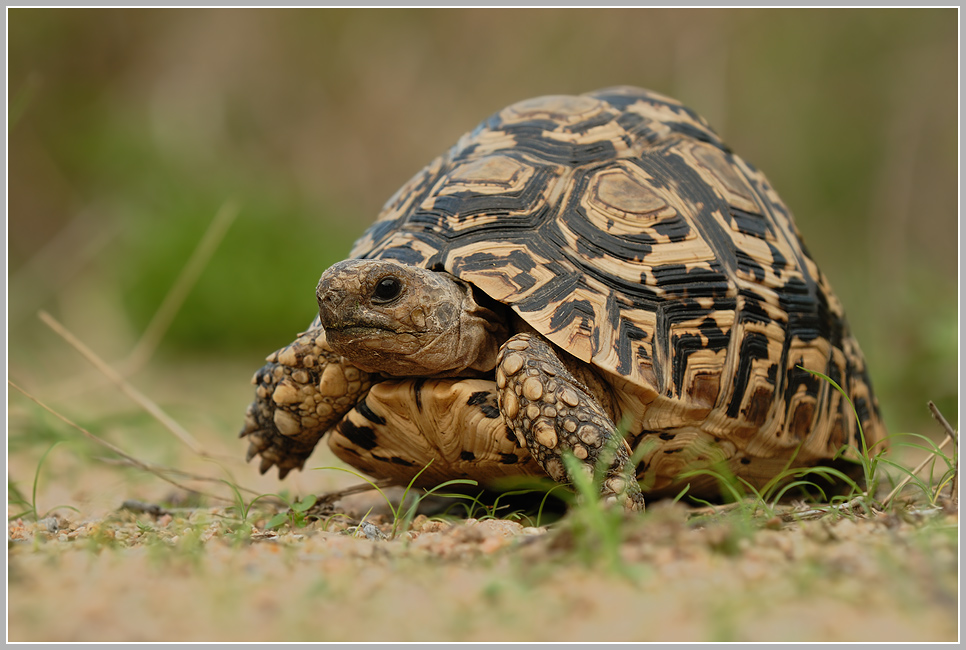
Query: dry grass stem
946	426
142	400
179	472
359	488
160	472
186	280
950	437
63	257
950	433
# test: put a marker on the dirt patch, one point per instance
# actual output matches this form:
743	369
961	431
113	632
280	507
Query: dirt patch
681	575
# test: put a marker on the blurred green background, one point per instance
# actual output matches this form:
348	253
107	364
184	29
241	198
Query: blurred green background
129	129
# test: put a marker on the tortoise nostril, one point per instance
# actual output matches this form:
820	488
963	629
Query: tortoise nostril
329	304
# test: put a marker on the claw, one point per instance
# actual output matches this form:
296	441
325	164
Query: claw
290	414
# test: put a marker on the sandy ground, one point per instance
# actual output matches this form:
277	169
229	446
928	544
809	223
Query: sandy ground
202	575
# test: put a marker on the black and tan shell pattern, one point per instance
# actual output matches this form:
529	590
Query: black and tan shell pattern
618	225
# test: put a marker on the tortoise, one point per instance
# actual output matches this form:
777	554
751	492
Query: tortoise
596	275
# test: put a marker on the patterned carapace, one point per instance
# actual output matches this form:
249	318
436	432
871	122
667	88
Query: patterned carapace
619	226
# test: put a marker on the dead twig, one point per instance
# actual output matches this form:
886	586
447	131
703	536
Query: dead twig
179	472
950	433
142	400
332	497
939	417
160	472
857	506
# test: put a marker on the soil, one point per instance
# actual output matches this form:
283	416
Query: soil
679	574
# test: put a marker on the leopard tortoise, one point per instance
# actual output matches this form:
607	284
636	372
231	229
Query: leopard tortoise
573	264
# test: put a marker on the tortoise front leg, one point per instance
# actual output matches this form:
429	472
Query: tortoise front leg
551	412
303	390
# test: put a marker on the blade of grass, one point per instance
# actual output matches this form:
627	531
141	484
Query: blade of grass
912	474
376	485
868	461
33	492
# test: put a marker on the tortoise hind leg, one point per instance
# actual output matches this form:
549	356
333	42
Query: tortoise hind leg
552	413
301	392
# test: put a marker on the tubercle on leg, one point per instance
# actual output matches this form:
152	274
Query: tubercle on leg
300	393
551	412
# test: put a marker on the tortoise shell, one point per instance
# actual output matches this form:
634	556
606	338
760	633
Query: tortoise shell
619	226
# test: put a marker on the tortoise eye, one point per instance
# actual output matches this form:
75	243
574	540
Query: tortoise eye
387	290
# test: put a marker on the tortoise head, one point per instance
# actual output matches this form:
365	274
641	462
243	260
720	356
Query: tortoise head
402	320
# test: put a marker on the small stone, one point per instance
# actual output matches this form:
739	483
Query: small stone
533	411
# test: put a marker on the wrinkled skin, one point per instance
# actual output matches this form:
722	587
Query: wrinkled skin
404	321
